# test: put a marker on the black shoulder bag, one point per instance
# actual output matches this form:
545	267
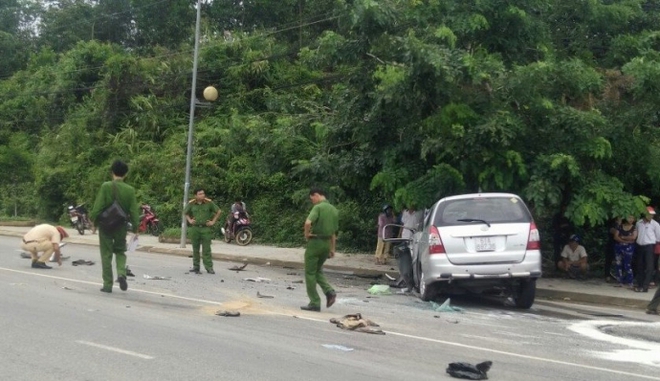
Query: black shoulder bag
114	216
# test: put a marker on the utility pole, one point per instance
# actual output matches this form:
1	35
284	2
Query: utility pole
193	98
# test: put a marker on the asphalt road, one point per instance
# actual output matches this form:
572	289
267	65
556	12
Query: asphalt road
57	325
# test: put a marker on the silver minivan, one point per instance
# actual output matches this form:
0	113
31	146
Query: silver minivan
477	243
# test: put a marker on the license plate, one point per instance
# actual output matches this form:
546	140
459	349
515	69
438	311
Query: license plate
74	219
484	244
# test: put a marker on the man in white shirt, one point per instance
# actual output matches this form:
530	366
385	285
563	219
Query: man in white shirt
411	219
648	233
573	257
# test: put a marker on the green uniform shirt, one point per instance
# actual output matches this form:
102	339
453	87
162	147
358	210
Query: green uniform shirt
201	212
325	219
125	197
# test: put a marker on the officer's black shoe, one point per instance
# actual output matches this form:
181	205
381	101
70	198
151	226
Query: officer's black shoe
108	290
210	271
310	307
331	297
123	285
40	265
195	270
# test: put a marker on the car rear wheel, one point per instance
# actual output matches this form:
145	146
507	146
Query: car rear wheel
525	293
426	291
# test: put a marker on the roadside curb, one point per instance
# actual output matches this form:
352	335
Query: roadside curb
570	296
263	261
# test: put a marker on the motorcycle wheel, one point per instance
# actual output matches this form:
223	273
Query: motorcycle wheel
80	226
226	233
243	237
155	228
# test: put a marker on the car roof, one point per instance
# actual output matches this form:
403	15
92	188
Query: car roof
475	195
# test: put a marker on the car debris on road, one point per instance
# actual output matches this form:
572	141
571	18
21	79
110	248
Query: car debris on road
468	371
355	322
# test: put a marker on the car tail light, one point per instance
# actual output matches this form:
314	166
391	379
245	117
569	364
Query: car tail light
534	241
435	243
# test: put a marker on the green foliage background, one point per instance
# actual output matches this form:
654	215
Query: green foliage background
389	101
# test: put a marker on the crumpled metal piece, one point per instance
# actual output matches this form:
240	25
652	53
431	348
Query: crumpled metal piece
468	371
156	277
238	268
257	279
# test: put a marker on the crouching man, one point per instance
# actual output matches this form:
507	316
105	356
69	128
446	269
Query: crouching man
44	239
574	258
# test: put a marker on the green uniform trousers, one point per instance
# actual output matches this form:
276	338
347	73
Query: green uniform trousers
112	243
316	253
201	235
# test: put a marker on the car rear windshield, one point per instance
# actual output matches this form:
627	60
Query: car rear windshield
490	209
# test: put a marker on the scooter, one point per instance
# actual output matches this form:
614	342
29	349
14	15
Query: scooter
242	232
79	218
149	221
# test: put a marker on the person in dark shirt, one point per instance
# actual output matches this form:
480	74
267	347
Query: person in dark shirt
561	231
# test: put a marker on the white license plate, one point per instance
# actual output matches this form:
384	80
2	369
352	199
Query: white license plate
484	244
74	219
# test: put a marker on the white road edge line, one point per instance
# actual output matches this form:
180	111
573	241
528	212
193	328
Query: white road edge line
518	355
99	284
113	349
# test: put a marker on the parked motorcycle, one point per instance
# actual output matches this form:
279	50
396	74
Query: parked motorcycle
149	222
80	218
241	232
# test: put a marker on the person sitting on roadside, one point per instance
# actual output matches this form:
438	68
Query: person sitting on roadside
44	239
574	257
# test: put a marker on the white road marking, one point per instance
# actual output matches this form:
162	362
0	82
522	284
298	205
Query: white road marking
512	334
556	334
99	284
324	321
643	352
497	340
113	349
505	353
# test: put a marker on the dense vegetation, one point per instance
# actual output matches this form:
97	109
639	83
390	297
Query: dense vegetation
397	101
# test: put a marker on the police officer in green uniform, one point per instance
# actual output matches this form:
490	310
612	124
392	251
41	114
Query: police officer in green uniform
115	242
321	229
202	214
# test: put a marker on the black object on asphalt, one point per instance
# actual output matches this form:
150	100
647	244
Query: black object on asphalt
468	371
82	262
228	313
238	268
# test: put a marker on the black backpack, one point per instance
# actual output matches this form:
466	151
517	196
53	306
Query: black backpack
114	216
